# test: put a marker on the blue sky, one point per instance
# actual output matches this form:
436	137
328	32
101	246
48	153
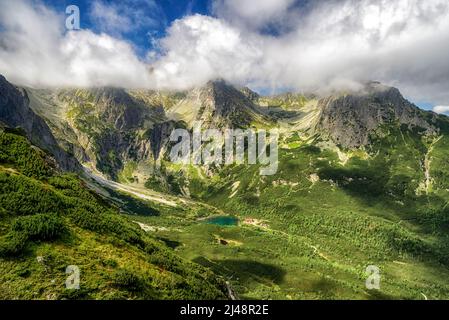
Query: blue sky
169	10
425	105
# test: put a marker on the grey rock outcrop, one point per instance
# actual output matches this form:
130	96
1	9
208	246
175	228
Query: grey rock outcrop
350	119
15	112
218	105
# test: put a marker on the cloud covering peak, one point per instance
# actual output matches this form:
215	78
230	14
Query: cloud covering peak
262	43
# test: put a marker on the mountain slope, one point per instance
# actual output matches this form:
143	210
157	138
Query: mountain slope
50	221
16	112
106	127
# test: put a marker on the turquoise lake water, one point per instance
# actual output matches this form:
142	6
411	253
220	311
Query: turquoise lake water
223	221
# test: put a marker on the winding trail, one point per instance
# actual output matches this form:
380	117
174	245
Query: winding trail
141	194
427	165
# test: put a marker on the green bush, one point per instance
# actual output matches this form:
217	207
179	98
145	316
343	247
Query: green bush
129	281
15	149
108	223
20	195
40	227
12	244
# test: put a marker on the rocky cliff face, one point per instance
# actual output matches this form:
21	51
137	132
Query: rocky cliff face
350	119
218	105
250	94
116	107
15	112
114	127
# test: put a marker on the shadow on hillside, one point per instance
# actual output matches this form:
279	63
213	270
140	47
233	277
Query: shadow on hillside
367	184
132	205
170	243
245	270
427	214
379	295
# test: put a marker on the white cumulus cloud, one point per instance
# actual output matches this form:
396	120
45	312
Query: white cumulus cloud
199	48
441	109
35	50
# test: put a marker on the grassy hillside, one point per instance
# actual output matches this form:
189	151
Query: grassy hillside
49	221
310	231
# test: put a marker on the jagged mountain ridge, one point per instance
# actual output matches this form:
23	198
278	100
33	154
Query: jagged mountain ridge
111	126
218	104
350	119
